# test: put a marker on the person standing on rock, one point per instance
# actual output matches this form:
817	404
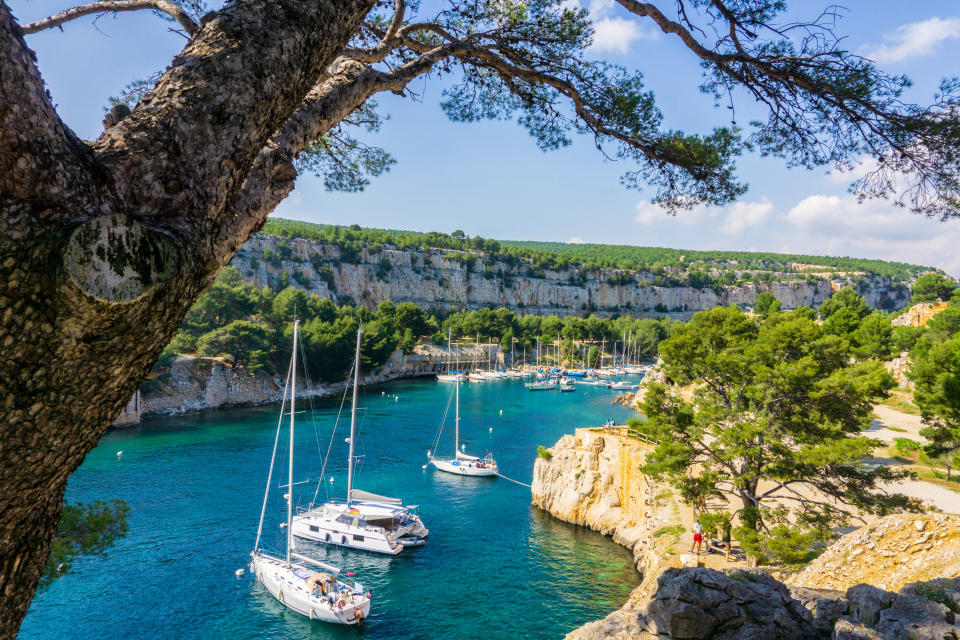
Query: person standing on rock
697	537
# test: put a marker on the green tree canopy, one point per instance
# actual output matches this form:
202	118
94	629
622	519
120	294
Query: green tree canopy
845	298
936	376
766	304
248	342
290	304
774	424
932	287
873	338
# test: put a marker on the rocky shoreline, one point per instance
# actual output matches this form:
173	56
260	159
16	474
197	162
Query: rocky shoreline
896	579
201	384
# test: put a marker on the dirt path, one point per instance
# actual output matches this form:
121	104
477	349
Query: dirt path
931	495
889	424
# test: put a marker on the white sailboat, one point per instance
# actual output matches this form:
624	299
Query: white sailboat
364	520
463	464
308	586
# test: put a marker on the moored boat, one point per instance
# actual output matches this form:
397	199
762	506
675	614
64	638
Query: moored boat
308	586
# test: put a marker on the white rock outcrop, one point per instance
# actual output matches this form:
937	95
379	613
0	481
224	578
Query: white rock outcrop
441	279
593	479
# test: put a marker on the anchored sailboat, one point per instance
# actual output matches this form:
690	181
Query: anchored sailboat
463	464
364	520
308	586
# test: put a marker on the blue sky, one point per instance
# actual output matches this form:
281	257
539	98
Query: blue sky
489	178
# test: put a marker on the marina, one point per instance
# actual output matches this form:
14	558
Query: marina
195	482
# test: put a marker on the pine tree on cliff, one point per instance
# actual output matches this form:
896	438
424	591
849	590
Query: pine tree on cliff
106	243
773	428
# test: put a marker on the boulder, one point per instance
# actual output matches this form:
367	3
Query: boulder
866	602
847	629
690	604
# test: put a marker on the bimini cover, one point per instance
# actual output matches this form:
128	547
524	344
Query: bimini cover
357	494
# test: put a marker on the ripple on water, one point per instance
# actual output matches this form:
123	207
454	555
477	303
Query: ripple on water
493	565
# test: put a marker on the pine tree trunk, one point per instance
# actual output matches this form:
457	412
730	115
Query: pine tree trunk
104	246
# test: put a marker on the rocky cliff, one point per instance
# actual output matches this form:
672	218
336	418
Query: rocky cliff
445	280
896	579
592	479
195	384
919	314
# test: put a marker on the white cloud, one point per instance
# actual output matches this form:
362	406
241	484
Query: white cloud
744	215
651	214
732	221
615	34
914	39
845	217
839	225
862	167
821	224
575	240
612	33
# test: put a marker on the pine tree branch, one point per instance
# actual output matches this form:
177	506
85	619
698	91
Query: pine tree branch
113	6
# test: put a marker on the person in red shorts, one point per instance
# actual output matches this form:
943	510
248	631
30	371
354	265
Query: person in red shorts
697	538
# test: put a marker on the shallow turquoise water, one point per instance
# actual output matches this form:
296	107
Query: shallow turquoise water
493	566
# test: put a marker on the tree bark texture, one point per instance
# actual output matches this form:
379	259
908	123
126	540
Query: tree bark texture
105	245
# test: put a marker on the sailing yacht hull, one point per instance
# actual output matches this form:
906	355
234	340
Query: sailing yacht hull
354	526
326	531
290	589
461	468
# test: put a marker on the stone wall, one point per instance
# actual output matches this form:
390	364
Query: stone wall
438	279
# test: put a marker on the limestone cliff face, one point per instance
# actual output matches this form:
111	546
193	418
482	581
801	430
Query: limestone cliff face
919	314
439	279
896	579
592	479
195	384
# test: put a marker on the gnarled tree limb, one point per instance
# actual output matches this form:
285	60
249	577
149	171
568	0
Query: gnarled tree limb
113	6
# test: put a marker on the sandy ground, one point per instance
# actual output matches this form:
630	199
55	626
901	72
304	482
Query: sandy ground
886	417
932	495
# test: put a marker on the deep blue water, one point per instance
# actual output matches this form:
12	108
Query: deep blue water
493	566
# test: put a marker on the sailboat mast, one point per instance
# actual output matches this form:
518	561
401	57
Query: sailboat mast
456	422
353	418
293	411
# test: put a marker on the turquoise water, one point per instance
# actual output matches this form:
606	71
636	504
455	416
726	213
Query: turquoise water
493	566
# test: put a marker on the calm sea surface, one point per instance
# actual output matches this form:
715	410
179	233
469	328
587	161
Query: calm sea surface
493	567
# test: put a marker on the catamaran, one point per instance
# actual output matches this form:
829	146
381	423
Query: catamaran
364	520
308	586
462	464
